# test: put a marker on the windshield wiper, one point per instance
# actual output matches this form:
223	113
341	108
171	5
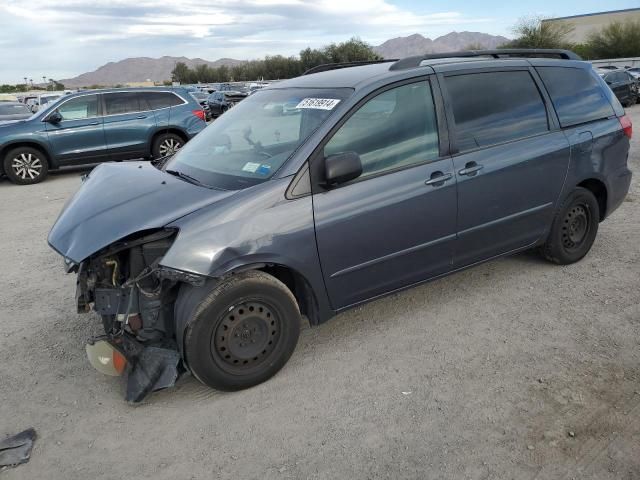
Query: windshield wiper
185	177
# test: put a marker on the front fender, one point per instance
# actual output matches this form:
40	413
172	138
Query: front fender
255	227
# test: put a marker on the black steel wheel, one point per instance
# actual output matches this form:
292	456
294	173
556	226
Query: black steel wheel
574	228
246	336
239	331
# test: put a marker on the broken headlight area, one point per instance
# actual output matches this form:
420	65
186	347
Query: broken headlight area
125	284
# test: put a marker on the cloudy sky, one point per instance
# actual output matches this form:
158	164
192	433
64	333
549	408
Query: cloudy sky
63	38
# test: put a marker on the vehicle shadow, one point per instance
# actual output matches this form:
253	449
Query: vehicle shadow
363	321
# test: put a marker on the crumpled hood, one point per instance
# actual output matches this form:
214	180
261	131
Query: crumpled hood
119	199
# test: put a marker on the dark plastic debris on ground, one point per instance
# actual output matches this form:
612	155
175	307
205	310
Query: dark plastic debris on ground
17	449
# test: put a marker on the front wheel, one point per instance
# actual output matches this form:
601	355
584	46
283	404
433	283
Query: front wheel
166	144
574	228
242	331
25	166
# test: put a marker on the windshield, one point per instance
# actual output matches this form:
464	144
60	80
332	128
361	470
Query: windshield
251	141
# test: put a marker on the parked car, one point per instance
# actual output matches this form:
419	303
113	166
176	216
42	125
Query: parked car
40	101
389	175
623	84
221	101
14	111
634	72
202	97
96	126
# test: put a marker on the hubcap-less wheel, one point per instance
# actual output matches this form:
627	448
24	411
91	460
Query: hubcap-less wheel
27	166
169	147
575	227
246	336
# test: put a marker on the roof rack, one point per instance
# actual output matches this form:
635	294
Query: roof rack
411	62
335	66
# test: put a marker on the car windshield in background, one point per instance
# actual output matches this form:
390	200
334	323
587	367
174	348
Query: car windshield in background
250	142
45	100
199	95
48	107
13	109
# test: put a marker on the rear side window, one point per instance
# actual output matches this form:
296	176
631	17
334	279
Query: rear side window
394	129
577	95
495	107
159	100
120	103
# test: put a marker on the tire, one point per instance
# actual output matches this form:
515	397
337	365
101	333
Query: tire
574	228
25	166
166	144
242	331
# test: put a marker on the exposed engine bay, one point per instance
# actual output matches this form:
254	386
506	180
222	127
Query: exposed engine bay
125	284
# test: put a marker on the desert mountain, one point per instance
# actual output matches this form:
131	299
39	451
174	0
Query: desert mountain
139	69
417	44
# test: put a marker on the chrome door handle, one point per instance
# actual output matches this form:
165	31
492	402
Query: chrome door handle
94	123
438	178
470	169
141	116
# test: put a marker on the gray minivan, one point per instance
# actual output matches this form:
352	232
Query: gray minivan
384	175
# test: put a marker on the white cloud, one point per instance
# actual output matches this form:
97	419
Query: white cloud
67	37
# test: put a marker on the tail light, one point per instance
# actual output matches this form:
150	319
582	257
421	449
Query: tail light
627	126
200	114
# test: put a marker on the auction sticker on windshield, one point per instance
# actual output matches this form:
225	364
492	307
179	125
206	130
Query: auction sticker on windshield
318	103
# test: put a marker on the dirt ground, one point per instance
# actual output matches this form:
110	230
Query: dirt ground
516	369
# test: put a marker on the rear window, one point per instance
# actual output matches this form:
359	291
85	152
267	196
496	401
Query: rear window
159	100
495	107
577	95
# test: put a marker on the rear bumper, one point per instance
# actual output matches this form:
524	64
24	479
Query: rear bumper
618	188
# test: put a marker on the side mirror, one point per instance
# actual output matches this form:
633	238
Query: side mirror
342	167
54	117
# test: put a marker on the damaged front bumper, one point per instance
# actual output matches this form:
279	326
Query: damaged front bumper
146	369
135	298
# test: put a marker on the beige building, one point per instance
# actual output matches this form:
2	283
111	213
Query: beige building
585	24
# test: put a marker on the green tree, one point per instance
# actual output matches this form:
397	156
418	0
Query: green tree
533	32
616	40
181	73
353	50
311	57
274	67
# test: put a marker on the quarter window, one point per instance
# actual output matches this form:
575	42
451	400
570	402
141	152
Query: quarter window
394	129
577	94
79	108
159	100
495	107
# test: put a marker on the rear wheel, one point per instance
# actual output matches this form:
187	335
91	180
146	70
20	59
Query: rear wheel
574	228
166	144
242	332
25	166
